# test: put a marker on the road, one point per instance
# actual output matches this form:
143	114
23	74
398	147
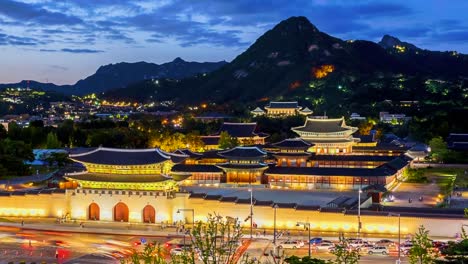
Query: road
67	248
107	243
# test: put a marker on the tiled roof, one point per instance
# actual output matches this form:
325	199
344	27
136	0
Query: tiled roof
195	168
212	154
243	152
453	137
366	138
98	177
293	143
189	153
397	163
312	171
323	125
283	105
112	156
242	166
353	158
239	129
210	140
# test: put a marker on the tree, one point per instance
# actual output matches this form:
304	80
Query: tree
13	154
456	252
58	158
52	141
214	241
217	239
305	260
194	142
344	253
421	252
438	149
226	141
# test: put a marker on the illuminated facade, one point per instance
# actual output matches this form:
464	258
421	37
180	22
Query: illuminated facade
281	109
292	152
329	136
126	169
245	165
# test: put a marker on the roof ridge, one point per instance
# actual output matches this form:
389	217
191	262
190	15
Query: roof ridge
239	123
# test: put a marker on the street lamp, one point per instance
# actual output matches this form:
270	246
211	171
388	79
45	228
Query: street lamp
399	235
251	212
193	215
274	224
359	213
308	227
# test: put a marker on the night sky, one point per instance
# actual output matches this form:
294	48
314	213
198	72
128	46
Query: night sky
62	41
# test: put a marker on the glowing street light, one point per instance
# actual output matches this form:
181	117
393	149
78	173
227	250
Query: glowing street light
308	227
193	215
399	235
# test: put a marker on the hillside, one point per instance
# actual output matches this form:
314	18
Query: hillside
294	60
120	75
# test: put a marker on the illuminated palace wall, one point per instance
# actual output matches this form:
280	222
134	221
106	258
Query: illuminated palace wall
34	205
148	205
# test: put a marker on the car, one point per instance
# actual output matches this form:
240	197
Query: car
316	240
324	246
356	243
290	244
384	242
177	251
404	248
378	250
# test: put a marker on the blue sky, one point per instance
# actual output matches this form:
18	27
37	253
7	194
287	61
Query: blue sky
62	41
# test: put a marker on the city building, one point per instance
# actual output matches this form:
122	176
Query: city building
329	136
388	118
457	142
282	109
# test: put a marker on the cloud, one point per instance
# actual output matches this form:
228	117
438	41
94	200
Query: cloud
34	13
81	50
12	40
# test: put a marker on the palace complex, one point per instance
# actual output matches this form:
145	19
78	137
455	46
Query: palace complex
146	185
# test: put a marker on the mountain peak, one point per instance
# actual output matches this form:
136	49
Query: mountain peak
178	59
300	22
389	42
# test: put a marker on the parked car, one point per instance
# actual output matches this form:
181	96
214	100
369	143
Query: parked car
378	250
404	248
384	242
290	244
316	240
177	251
357	243
324	246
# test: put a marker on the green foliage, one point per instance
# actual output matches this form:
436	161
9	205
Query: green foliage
344	253
226	141
153	253
58	158
305	260
456	252
52	141
13	154
438	149
217	239
415	175
421	252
